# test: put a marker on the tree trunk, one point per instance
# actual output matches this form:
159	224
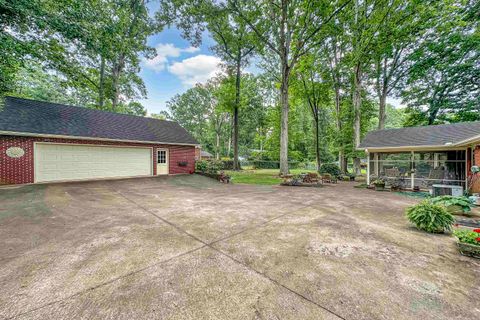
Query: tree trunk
116	73
341	155
357	104
217	147
101	87
284	118
317	144
342	163
356	166
382	116
235	115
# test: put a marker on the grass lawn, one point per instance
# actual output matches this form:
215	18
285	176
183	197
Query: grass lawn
260	176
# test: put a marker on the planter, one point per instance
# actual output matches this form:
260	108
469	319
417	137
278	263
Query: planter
469	250
352	178
379	187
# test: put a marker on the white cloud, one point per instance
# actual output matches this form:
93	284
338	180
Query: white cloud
164	52
196	69
191	49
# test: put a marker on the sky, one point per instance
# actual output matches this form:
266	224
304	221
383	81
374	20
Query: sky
177	67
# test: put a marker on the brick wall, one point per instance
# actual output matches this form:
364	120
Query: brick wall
20	170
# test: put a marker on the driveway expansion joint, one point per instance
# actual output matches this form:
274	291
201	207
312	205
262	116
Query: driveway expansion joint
209	245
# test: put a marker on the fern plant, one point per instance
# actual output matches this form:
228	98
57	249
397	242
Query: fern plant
448	201
430	217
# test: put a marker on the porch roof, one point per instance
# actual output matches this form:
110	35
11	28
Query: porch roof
445	136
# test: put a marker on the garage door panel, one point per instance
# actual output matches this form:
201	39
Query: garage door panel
77	162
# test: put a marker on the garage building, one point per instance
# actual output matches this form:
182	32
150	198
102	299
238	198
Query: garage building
46	142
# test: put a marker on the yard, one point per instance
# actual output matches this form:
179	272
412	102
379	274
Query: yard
260	176
187	247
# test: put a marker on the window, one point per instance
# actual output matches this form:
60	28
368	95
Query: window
162	156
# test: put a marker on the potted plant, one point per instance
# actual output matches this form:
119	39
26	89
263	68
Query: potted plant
352	176
430	217
468	242
454	205
379	184
396	184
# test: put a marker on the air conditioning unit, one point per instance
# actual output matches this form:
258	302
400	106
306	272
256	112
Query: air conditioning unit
446	190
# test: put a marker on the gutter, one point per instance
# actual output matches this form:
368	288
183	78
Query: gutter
57	136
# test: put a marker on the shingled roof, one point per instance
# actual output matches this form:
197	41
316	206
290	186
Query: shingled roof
447	135
52	119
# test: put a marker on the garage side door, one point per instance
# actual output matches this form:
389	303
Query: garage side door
57	162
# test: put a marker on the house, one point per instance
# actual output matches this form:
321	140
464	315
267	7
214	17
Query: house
43	142
424	156
202	154
205	155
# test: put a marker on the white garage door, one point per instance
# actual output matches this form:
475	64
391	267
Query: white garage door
57	162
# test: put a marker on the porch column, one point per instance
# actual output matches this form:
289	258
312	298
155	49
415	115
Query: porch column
368	167
412	174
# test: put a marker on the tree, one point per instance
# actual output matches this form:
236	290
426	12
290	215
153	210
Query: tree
234	43
289	29
94	47
315	91
443	84
401	31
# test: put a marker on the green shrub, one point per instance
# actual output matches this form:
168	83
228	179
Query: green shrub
258	164
201	166
330	168
430	217
468	236
208	166
448	201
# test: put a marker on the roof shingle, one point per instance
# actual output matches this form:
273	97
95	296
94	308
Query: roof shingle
38	117
437	135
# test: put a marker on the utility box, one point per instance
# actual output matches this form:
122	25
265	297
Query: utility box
446	190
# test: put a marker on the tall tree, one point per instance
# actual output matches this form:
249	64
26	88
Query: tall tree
289	29
234	42
313	87
443	84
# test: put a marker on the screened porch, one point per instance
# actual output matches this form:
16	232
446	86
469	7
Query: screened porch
419	169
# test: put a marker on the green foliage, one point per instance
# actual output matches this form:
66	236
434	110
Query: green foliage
330	168
227	164
261	164
51	50
430	217
447	201
467	236
209	166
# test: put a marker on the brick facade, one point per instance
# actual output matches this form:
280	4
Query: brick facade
20	170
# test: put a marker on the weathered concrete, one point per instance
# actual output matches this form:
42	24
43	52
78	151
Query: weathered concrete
187	247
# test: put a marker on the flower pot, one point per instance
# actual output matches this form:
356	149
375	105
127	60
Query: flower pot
469	250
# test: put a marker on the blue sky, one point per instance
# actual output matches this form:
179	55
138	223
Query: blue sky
177	67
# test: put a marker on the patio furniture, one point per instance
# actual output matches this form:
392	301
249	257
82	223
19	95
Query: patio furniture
328	178
311	177
224	178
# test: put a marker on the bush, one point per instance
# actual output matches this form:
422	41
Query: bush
451	201
430	217
468	236
330	168
265	164
201	166
208	166
228	164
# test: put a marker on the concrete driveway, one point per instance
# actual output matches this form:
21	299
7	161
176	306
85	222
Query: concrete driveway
186	247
